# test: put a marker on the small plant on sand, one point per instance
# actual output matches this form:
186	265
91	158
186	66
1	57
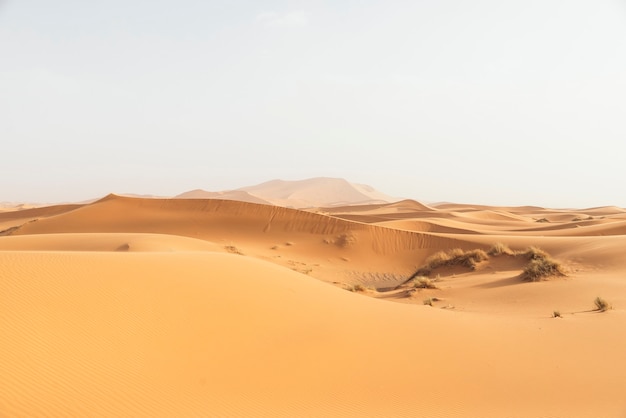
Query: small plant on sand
455	257
359	288
601	304
422	282
499	249
428	301
533	253
556	314
540	265
233	250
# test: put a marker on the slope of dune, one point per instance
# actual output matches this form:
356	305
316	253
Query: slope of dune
303	240
124	242
238	195
204	334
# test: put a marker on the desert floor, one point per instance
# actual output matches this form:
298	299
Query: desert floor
131	307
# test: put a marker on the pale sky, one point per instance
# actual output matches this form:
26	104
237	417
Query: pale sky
498	102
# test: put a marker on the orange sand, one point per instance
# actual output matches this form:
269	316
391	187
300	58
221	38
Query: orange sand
133	307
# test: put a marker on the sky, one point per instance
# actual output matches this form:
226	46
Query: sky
518	102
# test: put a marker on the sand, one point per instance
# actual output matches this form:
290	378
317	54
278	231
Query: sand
134	307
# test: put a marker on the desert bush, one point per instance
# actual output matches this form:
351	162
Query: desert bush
556	314
359	288
601	304
345	240
542	268
454	257
533	253
428	301
499	249
540	265
422	282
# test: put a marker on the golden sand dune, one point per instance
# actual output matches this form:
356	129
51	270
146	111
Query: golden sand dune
105	242
107	334
132	307
303	240
238	195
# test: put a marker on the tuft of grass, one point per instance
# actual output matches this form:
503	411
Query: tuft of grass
345	240
602	305
540	265
556	314
428	301
542	268
454	257
422	282
533	253
359	288
500	249
233	250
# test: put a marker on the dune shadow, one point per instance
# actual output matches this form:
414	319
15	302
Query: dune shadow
507	281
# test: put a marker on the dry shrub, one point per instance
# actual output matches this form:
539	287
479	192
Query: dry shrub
601	304
500	249
233	250
345	240
422	282
540	265
455	257
533	253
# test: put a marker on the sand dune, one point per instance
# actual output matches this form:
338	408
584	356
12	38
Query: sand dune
191	307
238	195
316	192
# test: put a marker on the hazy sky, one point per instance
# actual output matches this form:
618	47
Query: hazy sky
487	101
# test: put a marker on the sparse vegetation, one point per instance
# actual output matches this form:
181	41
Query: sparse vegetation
533	253
422	282
233	250
542	220
359	288
345	240
601	304
429	301
455	257
540	266
556	314
499	249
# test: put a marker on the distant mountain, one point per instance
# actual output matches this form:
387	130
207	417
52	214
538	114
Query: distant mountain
317	192
309	193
